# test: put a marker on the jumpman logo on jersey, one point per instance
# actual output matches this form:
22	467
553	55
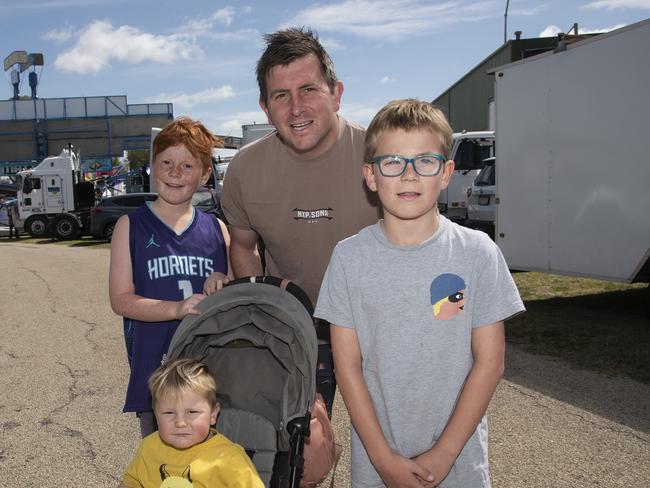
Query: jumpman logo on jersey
151	242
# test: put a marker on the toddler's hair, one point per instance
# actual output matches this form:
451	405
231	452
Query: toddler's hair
180	375
409	114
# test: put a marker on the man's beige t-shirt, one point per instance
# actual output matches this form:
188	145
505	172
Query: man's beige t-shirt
300	208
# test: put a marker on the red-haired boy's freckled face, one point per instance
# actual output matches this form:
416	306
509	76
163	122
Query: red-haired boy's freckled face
177	174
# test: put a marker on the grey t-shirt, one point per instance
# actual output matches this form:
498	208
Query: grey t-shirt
413	309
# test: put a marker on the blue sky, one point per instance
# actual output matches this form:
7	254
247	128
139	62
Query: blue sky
200	55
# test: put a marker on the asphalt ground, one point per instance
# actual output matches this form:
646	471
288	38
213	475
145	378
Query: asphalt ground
64	373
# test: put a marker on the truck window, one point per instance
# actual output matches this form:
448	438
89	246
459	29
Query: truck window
31	184
470	155
466	156
486	176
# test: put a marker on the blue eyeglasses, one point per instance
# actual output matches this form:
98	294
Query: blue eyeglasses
395	165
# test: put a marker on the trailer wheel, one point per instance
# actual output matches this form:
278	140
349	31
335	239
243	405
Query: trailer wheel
108	231
36	226
65	227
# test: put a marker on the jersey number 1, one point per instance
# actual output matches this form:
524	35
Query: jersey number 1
186	287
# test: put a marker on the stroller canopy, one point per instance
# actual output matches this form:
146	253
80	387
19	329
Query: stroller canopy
260	344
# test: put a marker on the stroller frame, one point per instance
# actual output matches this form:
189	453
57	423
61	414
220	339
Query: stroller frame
257	329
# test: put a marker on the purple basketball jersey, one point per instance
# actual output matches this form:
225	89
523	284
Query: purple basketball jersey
165	266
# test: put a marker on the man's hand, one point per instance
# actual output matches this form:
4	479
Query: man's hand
215	282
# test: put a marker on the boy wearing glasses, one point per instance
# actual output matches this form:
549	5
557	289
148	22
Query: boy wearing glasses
417	305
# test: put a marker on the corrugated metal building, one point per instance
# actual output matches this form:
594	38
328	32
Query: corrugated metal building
101	127
466	102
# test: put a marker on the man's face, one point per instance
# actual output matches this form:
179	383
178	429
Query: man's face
302	107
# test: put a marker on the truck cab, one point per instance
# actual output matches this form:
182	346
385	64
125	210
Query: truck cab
469	151
53	197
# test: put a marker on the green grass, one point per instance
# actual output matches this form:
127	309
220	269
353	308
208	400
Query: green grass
597	325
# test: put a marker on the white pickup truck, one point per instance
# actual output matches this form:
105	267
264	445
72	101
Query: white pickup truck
469	152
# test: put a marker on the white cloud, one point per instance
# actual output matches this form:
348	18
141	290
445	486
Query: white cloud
387	79
554	30
238	35
204	25
619	4
224	15
59	35
188	100
359	112
331	44
51	4
550	31
230	128
391	19
196	27
100	43
230	124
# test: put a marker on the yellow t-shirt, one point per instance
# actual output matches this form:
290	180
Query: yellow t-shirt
214	463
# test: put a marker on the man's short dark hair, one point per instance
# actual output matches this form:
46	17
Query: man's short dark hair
284	47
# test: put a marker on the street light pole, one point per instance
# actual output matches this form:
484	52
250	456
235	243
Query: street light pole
505	22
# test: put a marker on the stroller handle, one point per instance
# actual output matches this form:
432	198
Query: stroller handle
285	284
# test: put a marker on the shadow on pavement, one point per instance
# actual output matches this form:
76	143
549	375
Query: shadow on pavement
82	242
89	242
591	351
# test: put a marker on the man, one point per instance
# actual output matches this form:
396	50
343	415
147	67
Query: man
300	189
13	217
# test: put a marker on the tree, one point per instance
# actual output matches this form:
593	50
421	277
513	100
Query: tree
138	158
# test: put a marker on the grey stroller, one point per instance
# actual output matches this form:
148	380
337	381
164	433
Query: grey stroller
259	341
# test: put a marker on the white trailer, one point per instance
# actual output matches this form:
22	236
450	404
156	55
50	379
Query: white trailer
573	159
